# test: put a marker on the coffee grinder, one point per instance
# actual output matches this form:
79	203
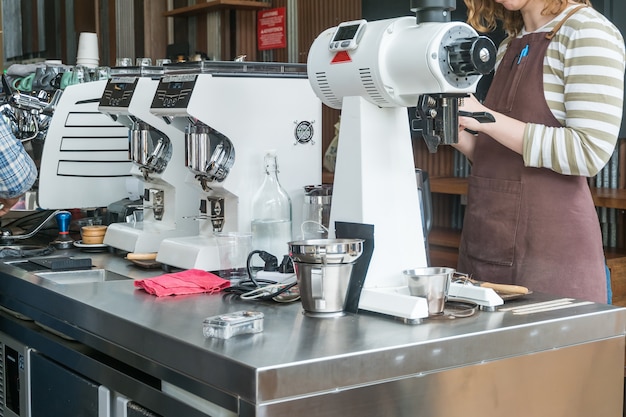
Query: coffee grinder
373	71
232	113
157	151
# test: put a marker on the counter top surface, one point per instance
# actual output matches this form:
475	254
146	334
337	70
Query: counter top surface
295	354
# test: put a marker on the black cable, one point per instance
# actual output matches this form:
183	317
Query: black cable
251	284
270	263
245	287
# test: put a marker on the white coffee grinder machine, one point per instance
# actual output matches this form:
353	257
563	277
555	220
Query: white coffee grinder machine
373	71
232	113
157	150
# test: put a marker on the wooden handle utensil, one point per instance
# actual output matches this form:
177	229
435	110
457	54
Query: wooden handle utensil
502	288
141	256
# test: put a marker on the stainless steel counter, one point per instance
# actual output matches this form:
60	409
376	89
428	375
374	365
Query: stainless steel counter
492	363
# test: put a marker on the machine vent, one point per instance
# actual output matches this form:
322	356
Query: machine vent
324	86
2	379
370	87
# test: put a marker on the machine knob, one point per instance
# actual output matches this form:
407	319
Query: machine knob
63	221
472	56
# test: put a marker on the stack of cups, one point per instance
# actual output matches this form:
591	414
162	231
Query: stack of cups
93	235
87	54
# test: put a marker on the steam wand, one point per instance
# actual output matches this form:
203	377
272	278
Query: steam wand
7	236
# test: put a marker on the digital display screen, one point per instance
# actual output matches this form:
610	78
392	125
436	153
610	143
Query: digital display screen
345	33
118	92
173	92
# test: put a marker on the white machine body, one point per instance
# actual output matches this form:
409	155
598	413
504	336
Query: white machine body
85	160
179	197
257	114
393	63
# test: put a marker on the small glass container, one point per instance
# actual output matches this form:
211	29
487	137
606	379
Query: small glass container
124	62
225	326
143	62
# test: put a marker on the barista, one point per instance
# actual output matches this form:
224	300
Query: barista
17	170
557	99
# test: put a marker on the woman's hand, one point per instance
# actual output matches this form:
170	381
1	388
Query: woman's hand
465	144
472	105
505	130
6	204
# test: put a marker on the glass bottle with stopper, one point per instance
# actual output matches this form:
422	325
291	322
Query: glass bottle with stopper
271	212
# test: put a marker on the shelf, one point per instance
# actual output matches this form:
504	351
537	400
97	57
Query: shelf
214	5
448	185
602	197
609	197
443	244
444	237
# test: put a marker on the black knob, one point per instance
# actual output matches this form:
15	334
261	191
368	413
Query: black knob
472	56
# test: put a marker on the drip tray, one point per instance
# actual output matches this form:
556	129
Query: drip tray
58	263
81	277
62	263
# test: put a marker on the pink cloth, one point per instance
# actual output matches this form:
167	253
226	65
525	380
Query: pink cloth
191	281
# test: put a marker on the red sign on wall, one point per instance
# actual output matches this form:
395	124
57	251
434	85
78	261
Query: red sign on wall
271	33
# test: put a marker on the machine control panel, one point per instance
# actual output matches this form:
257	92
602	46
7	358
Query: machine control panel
118	92
174	92
347	35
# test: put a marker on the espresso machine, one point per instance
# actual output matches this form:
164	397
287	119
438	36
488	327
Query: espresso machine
157	151
373	71
84	161
232	114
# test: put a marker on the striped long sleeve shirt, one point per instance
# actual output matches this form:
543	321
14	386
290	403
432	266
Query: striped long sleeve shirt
17	170
583	76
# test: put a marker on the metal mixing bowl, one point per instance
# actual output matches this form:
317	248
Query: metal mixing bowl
326	251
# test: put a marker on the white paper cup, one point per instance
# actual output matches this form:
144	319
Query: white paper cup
87	46
89	63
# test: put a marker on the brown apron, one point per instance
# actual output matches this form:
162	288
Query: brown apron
529	226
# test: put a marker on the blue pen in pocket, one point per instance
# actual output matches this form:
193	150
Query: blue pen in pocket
522	54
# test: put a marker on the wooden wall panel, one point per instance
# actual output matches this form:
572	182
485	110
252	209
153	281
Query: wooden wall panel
440	164
313	18
281	55
316	16
84	16
155	29
245	42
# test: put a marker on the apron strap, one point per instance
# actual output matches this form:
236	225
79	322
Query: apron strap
553	32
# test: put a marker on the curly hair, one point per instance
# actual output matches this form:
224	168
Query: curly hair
483	15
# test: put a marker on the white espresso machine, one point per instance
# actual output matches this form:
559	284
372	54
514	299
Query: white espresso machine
373	71
84	162
232	113
157	151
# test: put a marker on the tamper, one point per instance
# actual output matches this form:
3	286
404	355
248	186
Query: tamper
63	240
